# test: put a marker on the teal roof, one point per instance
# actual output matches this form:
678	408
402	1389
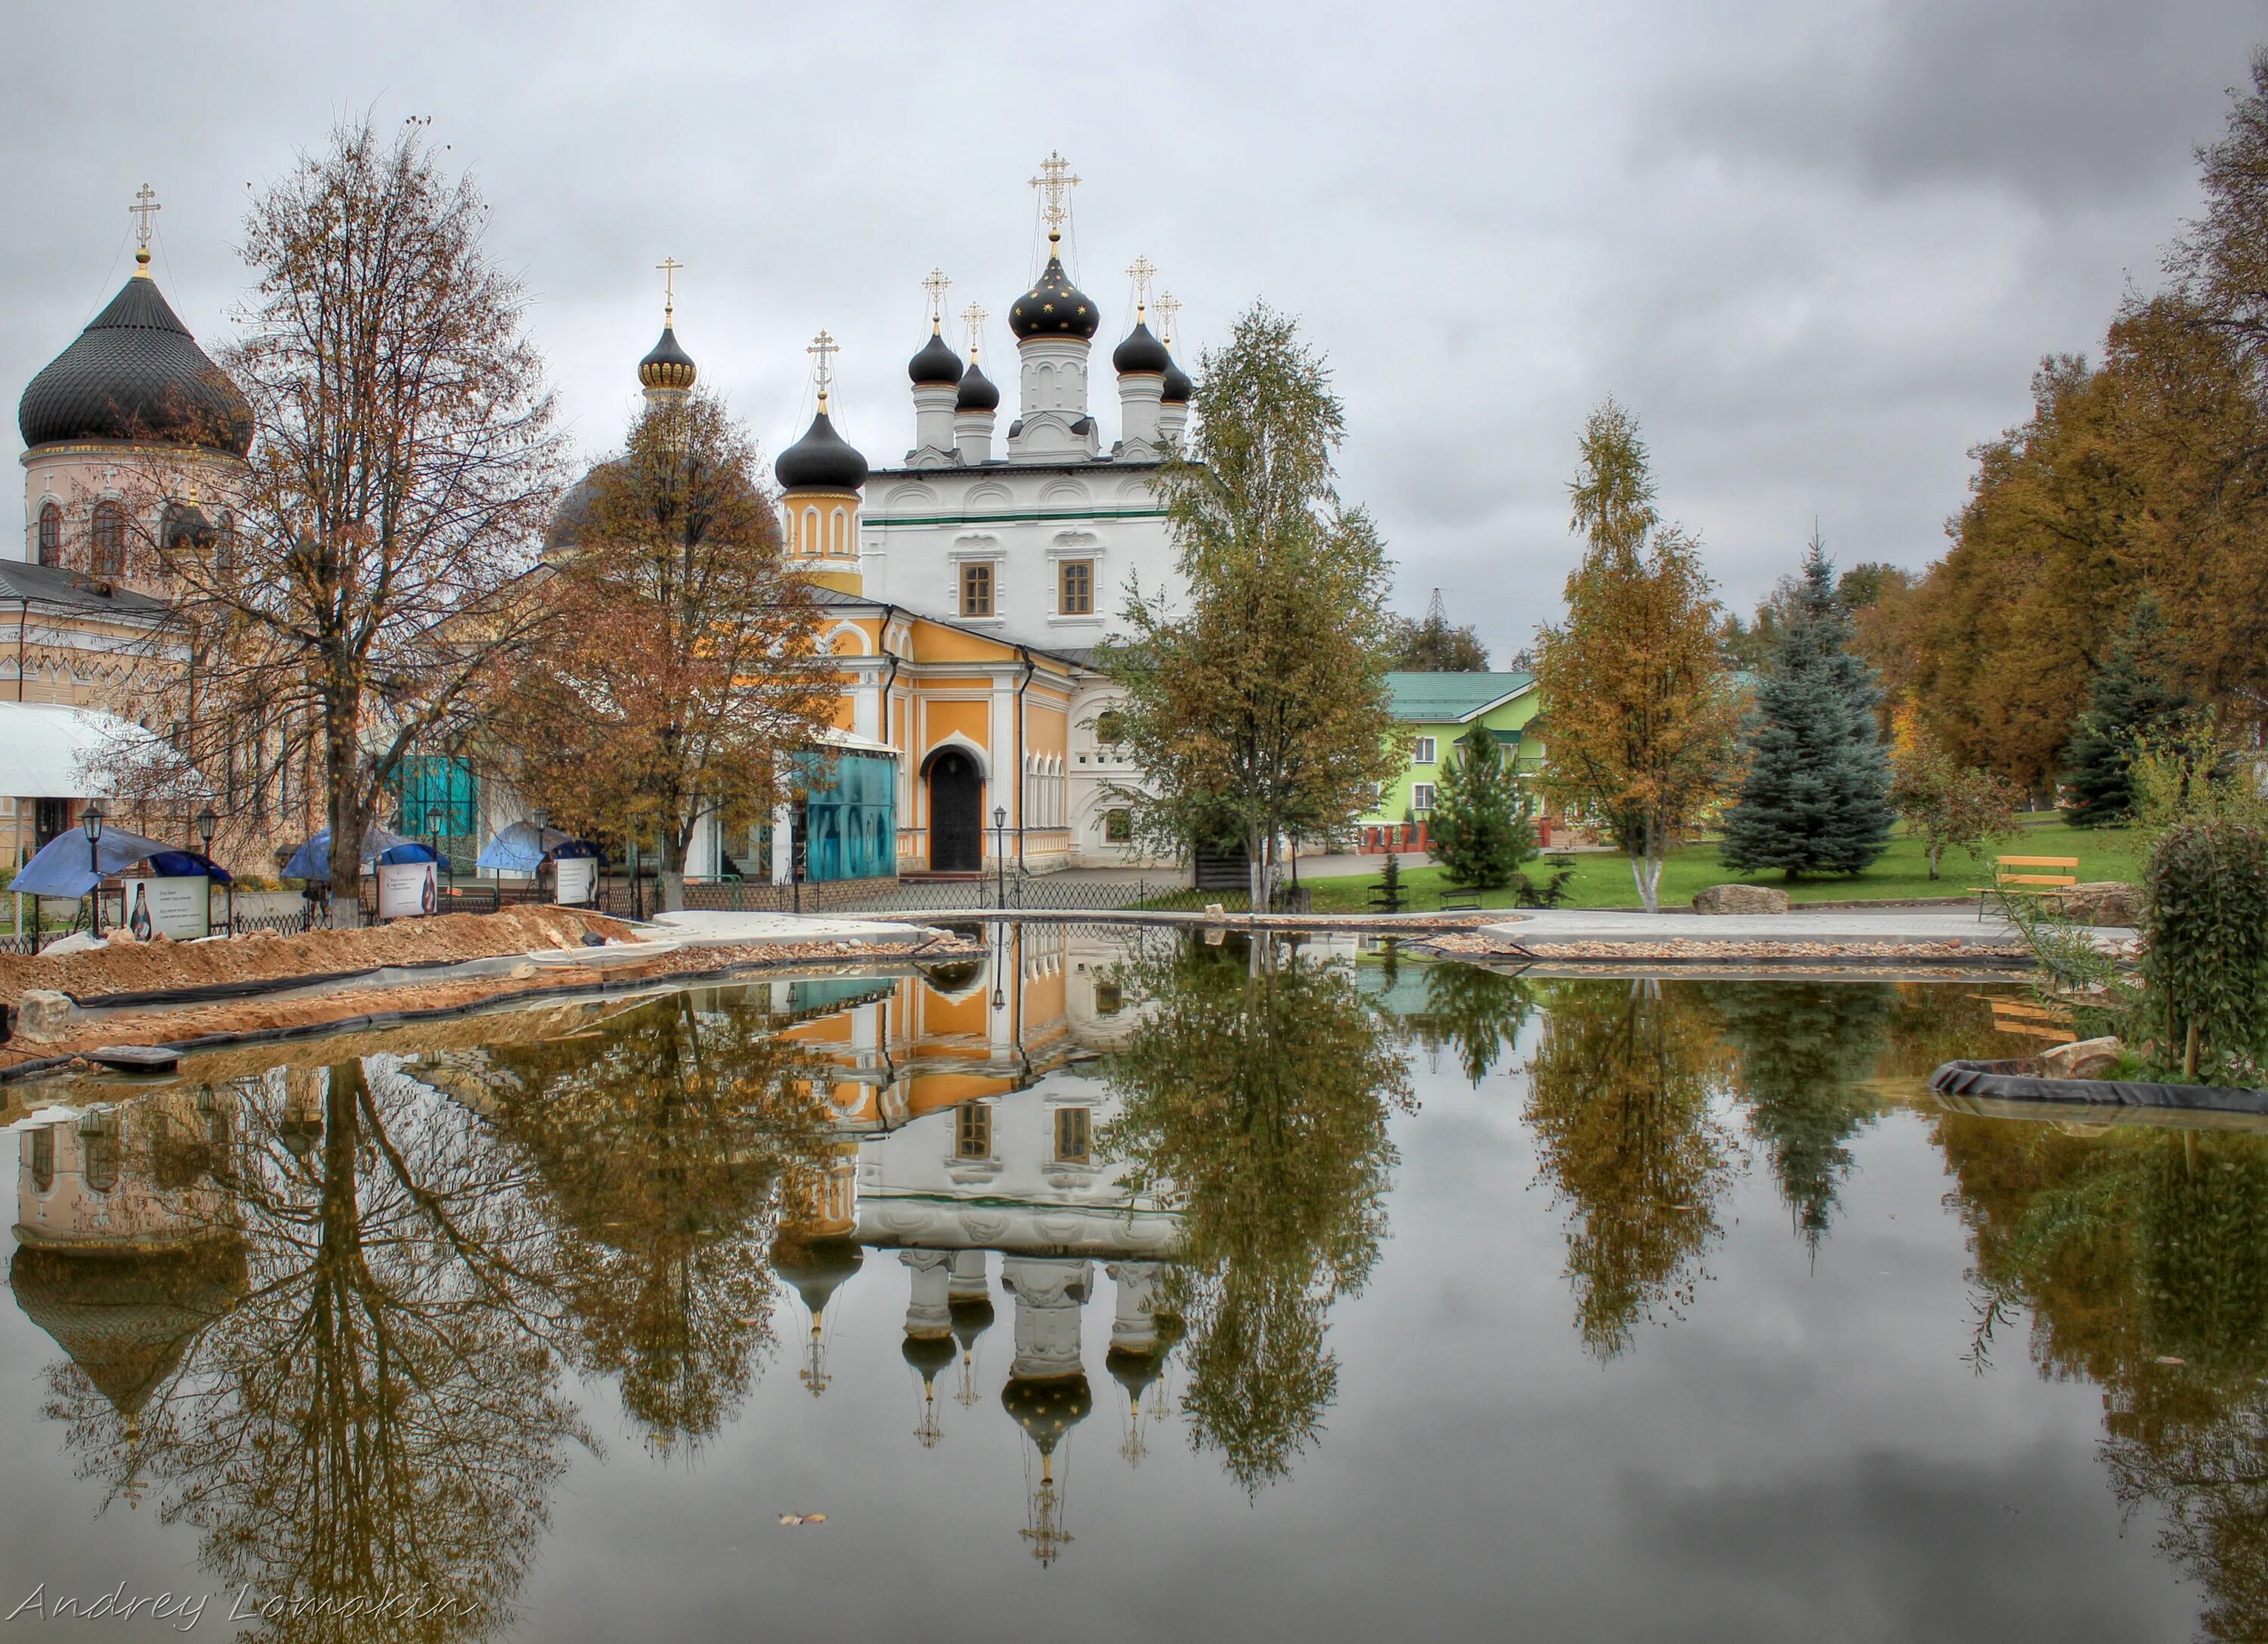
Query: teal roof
1438	698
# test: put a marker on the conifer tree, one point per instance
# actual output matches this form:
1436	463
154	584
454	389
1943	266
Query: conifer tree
1817	798
1479	828
2133	695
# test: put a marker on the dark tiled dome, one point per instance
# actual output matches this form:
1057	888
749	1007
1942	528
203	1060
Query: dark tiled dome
822	459
1141	354
1054	306
669	365
977	392
937	365
1178	386
136	373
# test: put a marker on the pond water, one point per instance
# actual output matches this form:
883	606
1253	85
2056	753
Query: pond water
1125	1289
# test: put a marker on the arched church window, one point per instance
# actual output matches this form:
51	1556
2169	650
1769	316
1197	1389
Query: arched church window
43	1159
813	542
51	534
109	557
842	537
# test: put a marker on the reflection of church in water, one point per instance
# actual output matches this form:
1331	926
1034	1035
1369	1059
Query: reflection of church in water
967	1120
964	1132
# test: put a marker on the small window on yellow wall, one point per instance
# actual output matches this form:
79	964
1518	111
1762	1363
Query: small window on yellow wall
1075	587
972	1131
976	589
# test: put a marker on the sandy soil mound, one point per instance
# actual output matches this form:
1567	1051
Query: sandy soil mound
148	967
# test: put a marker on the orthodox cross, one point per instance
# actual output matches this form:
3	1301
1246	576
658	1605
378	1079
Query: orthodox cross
1140	271
974	318
1054	183
667	269
145	206
823	349
935	285
1168	307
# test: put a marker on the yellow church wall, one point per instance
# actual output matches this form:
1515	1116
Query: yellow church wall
942	719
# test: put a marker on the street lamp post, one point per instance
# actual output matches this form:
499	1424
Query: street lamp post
209	824
90	819
1000	849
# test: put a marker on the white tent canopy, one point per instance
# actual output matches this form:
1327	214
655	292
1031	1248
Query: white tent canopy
50	750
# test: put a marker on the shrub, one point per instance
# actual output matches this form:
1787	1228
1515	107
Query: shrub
2205	924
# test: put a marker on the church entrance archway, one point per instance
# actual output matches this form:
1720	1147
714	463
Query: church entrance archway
956	814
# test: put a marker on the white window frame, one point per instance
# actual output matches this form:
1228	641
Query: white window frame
1421	797
1425	751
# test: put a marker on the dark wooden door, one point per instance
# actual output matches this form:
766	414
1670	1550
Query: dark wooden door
956	814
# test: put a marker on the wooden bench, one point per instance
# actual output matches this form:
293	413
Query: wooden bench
2023	876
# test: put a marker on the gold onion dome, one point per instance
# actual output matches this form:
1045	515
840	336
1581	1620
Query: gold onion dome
668	365
1054	306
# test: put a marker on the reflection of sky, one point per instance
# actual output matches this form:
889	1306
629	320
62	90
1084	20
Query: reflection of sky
1805	1456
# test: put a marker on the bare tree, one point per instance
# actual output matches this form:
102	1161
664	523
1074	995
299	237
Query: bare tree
362	584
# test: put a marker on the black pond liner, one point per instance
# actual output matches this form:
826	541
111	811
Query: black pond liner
2020	1080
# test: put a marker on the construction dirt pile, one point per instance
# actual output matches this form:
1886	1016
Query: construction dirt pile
175	1024
127	966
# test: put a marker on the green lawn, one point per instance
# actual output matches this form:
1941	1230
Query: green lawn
1602	878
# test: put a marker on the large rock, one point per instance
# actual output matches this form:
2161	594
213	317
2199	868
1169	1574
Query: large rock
2104	901
1741	899
42	1016
2088	1059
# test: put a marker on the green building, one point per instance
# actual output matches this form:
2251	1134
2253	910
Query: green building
1439	709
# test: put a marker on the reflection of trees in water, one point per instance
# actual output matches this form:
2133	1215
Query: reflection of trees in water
1619	1093
378	1414
1477	1012
2141	1255
663	1147
1255	1099
1804	1049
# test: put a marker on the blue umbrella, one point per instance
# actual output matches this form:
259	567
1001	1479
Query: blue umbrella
313	859
522	848
61	867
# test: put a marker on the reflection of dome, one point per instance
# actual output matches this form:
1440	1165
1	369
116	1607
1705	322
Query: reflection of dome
822	459
1141	354
936	367
300	1135
1050	1409
1135	1371
928	1354
978	391
1054	306
971	1318
668	365
127	1320
818	1269
136	373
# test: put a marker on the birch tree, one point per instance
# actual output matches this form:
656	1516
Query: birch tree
1641	718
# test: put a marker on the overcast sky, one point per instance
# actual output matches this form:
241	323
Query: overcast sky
1817	248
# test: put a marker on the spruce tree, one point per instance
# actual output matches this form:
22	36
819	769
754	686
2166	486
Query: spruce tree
1817	798
2133	695
1479	827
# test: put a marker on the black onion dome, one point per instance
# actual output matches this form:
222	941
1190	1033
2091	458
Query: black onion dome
1054	306
936	367
977	392
928	1354
136	373
1178	386
822	459
668	365
1050	1409
1141	354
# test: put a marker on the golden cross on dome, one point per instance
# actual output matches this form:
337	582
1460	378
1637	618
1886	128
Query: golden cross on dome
974	317
1140	271
145	206
823	349
667	269
1054	183
937	284
1168	307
